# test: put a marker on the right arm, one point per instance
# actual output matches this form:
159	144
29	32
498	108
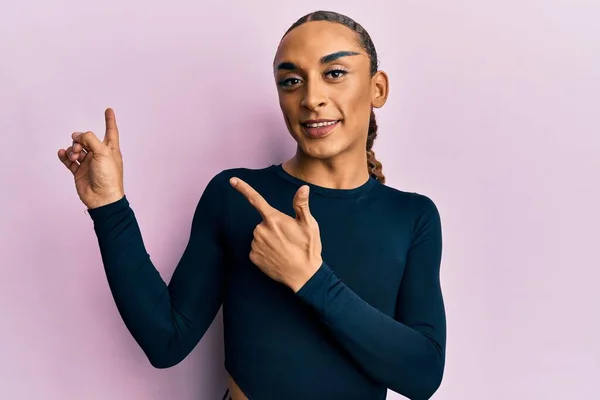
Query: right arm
167	321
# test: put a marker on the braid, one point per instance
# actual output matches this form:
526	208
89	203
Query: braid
374	166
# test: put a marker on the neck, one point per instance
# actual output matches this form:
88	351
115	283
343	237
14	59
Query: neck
345	171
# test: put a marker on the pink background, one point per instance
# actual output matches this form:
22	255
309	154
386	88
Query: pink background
494	112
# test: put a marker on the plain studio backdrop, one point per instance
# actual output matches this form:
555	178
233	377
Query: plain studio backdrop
494	113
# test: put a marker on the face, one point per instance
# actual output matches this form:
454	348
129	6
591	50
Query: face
326	90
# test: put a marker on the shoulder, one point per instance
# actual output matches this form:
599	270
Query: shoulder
249	175
219	186
417	210
217	195
417	204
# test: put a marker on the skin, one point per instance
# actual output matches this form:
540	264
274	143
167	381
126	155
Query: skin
342	88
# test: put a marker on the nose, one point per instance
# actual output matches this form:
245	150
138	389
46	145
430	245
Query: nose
314	96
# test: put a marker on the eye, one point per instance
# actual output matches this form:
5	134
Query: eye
288	82
336	73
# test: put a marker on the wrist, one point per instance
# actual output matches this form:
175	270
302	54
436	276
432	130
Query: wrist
105	201
300	280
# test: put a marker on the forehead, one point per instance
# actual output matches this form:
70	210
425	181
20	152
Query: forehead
310	41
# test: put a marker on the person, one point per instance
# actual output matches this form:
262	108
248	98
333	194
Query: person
328	278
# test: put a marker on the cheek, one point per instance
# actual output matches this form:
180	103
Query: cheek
287	109
353	99
289	106
356	108
288	103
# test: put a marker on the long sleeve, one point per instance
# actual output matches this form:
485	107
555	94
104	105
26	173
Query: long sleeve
167	321
407	352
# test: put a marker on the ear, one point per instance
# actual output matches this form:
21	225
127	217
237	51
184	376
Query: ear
380	88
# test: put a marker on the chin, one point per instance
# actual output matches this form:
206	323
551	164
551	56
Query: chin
326	147
322	149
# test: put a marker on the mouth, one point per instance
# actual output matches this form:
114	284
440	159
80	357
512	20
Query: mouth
318	128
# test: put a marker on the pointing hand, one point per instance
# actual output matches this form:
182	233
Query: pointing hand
97	166
288	250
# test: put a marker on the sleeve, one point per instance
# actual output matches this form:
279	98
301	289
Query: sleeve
167	321
407	352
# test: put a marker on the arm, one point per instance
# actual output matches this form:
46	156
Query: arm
406	353
167	321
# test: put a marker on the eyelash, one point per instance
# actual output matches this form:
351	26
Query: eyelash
336	70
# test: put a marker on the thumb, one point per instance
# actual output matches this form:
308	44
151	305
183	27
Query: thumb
301	207
89	141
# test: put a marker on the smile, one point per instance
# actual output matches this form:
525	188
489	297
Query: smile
319	124
318	129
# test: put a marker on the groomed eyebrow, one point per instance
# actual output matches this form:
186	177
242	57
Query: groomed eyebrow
286	65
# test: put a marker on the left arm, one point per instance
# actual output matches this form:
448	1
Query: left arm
407	352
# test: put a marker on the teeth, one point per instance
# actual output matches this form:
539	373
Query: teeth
321	124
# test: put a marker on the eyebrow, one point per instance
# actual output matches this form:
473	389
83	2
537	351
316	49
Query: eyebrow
286	65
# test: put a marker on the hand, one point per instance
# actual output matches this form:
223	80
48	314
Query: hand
288	250
97	166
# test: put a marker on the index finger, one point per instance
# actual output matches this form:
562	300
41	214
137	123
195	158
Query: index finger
253	197
111	137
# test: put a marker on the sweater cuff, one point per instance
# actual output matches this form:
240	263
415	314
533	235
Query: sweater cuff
106	211
313	288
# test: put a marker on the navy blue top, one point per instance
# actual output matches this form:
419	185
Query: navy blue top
371	318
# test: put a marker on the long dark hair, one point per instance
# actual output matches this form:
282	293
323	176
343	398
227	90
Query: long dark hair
374	166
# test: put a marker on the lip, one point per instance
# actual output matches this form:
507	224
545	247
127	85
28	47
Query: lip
316	121
321	131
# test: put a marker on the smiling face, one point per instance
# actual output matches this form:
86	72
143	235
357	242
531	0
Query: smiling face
326	89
